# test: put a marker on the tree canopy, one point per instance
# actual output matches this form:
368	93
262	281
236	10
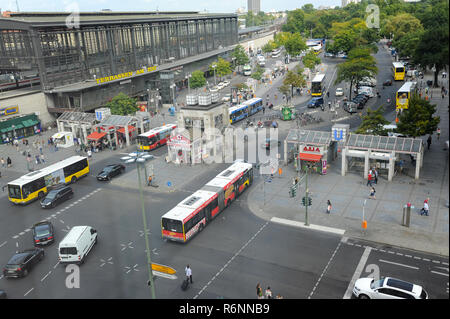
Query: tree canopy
122	104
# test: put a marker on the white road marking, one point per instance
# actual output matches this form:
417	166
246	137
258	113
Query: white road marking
46	276
357	274
21	233
15	237
398	264
56	265
27	230
439	273
226	265
28	291
325	269
3	244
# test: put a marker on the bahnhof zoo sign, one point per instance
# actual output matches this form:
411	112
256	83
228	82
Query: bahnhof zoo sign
126	75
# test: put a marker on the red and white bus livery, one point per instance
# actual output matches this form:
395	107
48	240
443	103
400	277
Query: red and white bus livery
196	211
156	137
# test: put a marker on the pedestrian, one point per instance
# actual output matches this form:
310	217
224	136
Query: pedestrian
40	149
42	159
329	105
328	207
2	161
369	179
375	175
89	153
268	293
259	292
372	193
429	141
425	210
8	162
264	110
188	272
38	161
438	133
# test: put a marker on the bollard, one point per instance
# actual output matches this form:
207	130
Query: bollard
406	220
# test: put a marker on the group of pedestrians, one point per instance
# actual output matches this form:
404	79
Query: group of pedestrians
372	177
267	293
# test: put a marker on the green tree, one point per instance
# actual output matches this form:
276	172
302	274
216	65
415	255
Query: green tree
241	57
308	8
294	79
222	67
418	119
257	73
269	46
372	123
294	44
295	21
310	60
197	79
360	64
122	104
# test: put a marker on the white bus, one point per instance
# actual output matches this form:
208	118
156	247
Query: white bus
156	137
36	184
192	214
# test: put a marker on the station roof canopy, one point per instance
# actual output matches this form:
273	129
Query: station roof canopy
385	143
249	30
117	120
309	137
79	117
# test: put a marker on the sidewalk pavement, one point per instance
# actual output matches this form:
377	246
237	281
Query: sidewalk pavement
270	199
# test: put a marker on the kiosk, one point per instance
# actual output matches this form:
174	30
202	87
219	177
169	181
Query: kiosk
63	139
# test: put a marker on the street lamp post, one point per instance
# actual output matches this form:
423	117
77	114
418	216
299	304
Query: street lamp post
172	86
214	68
141	157
189	87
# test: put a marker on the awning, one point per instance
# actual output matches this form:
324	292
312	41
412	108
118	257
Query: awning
310	157
130	129
58	135
29	123
95	136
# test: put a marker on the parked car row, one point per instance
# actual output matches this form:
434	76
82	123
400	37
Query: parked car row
219	86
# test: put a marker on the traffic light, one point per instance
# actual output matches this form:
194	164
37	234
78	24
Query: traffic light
309	201
293	191
304	201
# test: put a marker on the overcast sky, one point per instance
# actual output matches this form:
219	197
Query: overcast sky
151	5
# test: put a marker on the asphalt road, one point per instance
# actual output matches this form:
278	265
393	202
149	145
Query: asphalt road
228	258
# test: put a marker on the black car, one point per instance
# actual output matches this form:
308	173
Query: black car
315	102
387	83
43	233
57	196
110	171
3	294
350	107
22	262
359	102
363	96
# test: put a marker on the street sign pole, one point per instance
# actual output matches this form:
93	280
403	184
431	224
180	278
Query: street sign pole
306	199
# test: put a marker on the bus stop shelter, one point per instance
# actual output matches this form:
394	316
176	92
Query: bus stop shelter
385	149
112	124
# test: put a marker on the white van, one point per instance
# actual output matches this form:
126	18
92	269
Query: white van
261	60
77	244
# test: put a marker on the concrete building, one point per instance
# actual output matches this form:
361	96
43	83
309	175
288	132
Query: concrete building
81	65
254	6
346	2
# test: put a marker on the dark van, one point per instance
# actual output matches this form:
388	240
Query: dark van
57	196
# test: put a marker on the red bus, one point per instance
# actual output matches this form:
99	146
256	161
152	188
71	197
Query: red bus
190	216
156	137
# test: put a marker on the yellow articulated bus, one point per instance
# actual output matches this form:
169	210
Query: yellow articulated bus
35	185
398	71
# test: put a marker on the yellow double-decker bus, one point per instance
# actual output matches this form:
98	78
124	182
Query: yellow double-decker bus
36	184
404	95
318	85
398	71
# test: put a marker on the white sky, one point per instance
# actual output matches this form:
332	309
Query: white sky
152	5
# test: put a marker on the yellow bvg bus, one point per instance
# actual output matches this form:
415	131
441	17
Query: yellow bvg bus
36	184
398	71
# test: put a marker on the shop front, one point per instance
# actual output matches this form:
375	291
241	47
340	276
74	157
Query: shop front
19	127
313	157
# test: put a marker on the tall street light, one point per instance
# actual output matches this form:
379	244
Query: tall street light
189	87
214	66
141	157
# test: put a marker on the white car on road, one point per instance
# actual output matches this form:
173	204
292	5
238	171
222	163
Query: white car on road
226	83
214	89
339	92
387	288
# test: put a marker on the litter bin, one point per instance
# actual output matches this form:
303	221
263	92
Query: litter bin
406	220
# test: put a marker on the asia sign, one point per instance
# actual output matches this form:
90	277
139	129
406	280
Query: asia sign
126	74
